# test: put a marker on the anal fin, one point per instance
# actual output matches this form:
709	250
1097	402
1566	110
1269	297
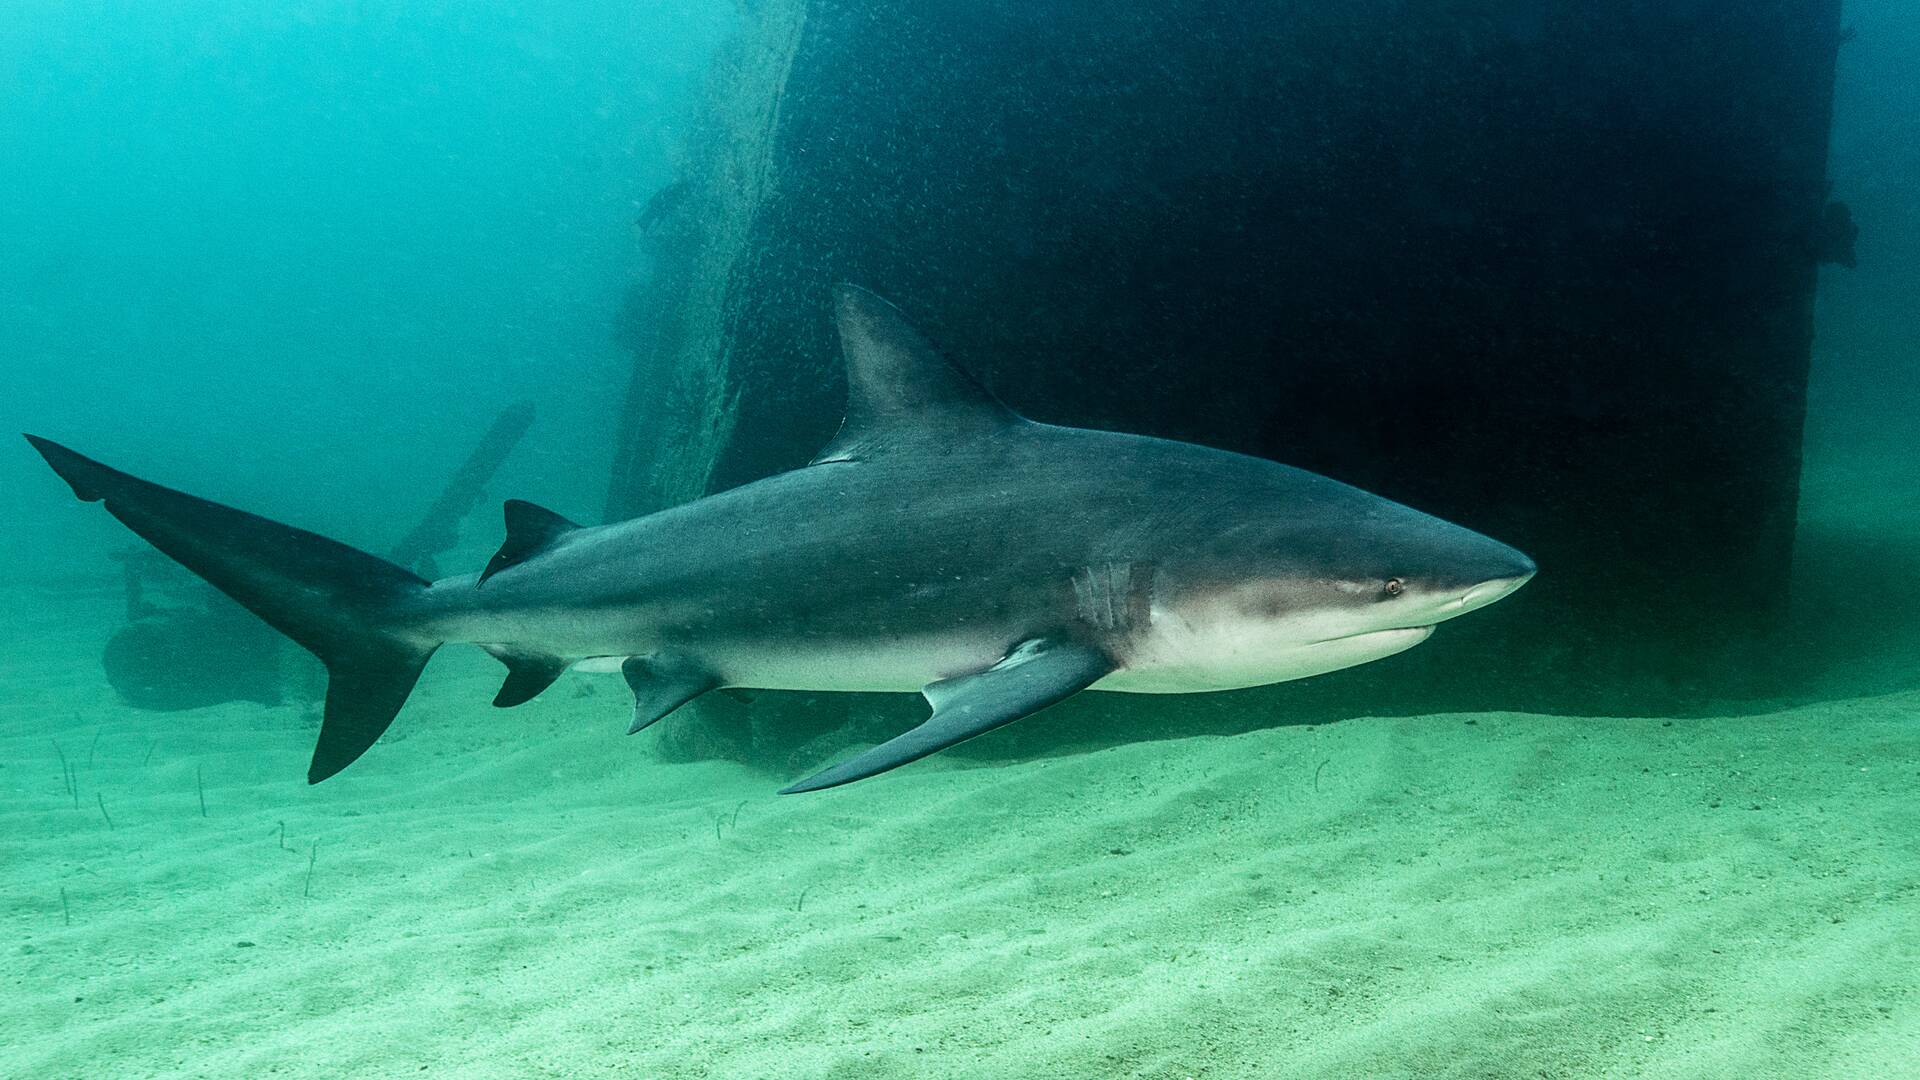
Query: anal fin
528	674
1036	674
662	683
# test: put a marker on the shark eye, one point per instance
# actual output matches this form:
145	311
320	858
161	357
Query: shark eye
1395	586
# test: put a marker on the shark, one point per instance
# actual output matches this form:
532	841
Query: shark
940	543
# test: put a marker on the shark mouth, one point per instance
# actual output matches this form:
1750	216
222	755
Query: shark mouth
1404	636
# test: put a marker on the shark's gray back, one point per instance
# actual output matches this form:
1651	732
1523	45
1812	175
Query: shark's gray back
998	539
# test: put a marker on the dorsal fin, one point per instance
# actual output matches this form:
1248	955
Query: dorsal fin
530	530
898	385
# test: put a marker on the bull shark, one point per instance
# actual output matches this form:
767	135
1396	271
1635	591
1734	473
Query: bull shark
941	543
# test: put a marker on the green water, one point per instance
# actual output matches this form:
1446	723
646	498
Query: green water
297	258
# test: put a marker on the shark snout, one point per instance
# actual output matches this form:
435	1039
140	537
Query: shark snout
1489	591
1514	570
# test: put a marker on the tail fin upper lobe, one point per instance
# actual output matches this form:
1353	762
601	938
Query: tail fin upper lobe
344	606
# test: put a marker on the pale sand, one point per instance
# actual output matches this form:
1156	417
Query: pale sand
530	895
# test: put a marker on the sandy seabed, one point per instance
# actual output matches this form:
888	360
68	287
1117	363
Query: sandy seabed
529	894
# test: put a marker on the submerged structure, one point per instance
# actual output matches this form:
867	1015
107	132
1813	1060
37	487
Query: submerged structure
1545	269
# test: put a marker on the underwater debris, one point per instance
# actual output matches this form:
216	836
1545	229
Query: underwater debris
438	531
662	205
201	649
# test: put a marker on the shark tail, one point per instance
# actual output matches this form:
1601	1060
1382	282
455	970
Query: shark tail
345	606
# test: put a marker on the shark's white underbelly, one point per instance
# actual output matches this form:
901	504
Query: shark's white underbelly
1178	667
1184	653
1195	648
903	665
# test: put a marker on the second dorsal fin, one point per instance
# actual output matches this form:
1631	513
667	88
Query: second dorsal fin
530	530
898	384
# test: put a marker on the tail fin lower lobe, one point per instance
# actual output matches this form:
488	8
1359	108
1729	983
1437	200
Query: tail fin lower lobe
343	605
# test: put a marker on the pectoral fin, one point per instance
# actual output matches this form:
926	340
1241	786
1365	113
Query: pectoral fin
662	683
1034	675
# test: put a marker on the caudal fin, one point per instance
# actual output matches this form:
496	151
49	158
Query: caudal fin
344	606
